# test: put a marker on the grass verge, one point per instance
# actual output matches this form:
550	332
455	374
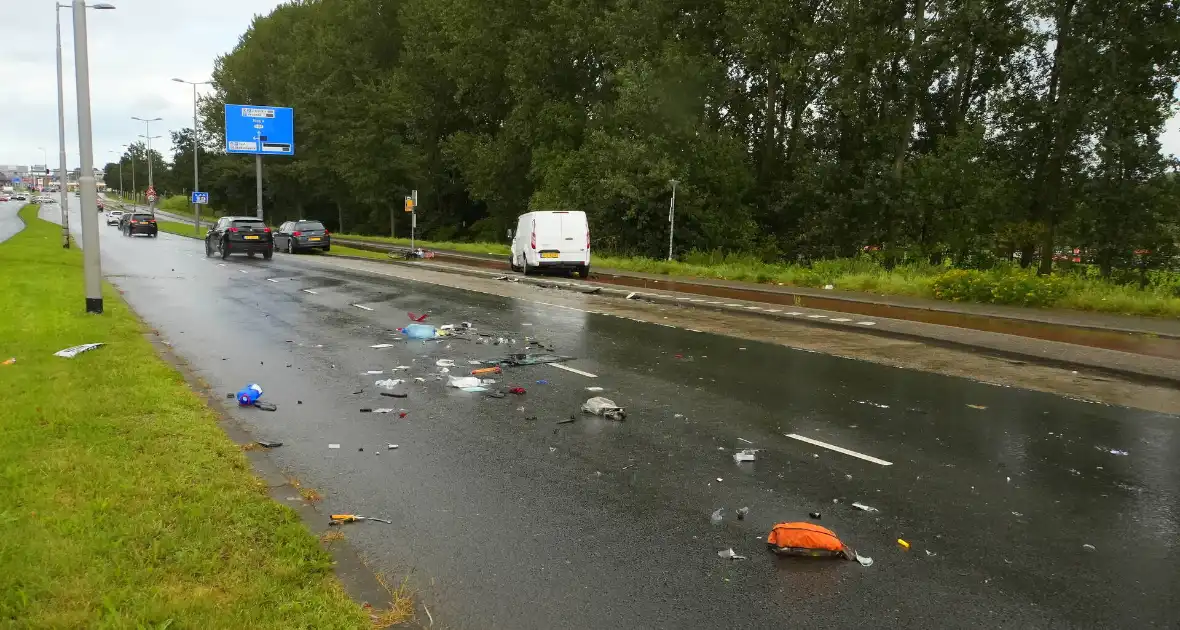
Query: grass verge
125	505
180	229
495	249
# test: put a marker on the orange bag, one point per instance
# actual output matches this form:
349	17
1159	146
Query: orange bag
807	539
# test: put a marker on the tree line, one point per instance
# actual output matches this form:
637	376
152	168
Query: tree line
961	131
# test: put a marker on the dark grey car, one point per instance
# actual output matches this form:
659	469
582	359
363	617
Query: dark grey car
295	236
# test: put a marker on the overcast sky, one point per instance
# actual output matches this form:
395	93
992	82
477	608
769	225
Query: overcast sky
135	50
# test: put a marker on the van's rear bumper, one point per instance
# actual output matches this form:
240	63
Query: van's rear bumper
560	264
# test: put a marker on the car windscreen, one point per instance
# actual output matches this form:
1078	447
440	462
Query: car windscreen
248	224
309	225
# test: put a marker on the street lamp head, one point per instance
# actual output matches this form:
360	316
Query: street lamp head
179	80
102	6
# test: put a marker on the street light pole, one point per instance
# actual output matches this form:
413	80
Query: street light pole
196	173
672	217
61	135
87	191
148	128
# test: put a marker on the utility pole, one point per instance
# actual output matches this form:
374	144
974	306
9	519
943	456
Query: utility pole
672	217
61	137
148	135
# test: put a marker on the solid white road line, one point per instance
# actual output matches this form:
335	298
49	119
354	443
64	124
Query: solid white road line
841	319
867	323
309	291
796	313
774	310
360	306
570	369
833	447
754	308
816	316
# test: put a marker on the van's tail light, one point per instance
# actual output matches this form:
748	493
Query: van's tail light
296	233
233	229
533	238
587	239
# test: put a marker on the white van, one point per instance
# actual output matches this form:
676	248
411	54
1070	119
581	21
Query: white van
551	240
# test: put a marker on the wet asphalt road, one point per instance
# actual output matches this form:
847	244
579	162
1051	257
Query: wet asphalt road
507	522
10	223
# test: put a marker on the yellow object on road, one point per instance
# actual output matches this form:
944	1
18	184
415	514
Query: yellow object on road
904	544
340	519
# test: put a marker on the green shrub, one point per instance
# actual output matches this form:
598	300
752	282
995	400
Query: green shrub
1000	286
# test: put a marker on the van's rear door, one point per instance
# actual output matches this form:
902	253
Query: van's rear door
573	236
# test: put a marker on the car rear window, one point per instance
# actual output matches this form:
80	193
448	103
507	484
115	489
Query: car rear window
309	225
253	225
142	217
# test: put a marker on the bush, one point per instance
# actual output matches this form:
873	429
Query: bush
1002	286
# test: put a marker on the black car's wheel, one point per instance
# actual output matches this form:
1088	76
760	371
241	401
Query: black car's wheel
224	249
290	246
208	249
269	253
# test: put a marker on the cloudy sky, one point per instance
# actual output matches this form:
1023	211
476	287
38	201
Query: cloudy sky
135	50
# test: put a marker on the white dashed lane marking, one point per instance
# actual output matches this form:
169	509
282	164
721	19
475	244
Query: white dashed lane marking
839	449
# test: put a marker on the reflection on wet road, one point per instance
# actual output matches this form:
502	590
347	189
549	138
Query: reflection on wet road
1022	509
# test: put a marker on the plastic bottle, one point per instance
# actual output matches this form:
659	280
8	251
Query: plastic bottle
249	395
419	331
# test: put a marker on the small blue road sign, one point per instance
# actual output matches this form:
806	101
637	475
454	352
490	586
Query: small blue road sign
200	197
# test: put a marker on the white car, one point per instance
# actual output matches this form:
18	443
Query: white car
551	240
113	217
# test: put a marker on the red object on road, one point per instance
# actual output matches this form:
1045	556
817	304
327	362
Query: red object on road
519	391
417	318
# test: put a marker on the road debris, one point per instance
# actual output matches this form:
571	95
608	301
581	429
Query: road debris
461	382
9	361
474	390
74	351
569	420
631	295
745	440
592	291
519	391
728	554
374	372
393	395
717	516
604	407
416	318
340	519
391	447
1113	451
383	410
810	540
542	382
382	345
745	455
266	406
249	395
815	515
904	545
518	359
930	554
488	370
445	363
742	512
865	508
1089	547
333	446
593	389
419	331
389	383
269	444
978	406
872	404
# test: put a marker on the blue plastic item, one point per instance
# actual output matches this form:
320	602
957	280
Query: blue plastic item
249	395
419	331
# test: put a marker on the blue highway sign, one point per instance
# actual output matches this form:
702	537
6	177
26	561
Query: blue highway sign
259	129
200	197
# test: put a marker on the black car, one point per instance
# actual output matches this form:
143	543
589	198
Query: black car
134	223
240	235
294	236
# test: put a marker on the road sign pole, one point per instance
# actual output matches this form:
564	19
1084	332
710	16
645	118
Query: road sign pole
258	177
61	140
196	173
413	220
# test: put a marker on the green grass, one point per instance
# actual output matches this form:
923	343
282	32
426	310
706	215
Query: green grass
340	250
125	505
496	249
181	229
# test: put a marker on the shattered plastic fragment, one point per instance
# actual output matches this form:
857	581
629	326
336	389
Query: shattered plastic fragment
382	345
978	406
745	455
864	561
445	363
815	515
604	407
383	410
728	554
389	383
1088	547
717	516
865	508
391	446
593	389
742	512
475	389
333	446
74	351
